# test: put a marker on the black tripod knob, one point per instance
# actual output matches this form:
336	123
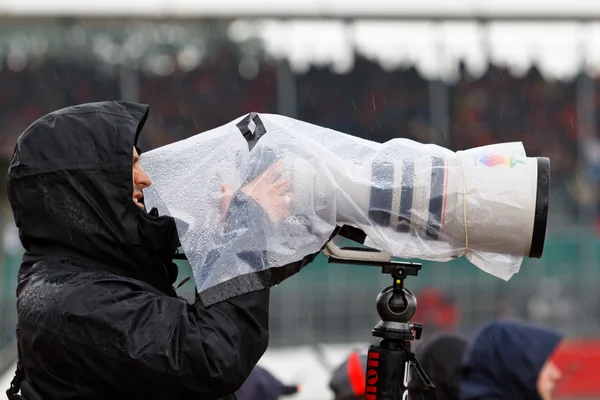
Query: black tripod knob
396	307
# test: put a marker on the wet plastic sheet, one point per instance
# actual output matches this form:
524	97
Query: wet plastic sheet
240	221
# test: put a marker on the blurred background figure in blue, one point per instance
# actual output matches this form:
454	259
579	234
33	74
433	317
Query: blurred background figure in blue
511	360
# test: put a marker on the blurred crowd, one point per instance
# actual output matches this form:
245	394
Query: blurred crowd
368	102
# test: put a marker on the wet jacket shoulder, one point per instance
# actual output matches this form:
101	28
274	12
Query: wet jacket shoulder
120	337
98	316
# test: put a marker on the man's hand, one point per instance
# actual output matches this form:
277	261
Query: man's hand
270	189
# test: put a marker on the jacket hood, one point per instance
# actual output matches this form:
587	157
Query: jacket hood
505	359
70	189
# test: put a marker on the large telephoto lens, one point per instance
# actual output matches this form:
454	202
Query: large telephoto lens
424	201
407	200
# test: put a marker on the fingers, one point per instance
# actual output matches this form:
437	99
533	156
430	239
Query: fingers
282	185
277	166
271	189
271	178
274	171
225	199
267	177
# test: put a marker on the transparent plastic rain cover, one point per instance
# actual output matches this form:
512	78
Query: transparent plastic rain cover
255	196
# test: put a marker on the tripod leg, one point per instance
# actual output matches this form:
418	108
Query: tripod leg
428	383
388	369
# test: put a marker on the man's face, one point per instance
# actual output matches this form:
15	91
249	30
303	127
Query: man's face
140	180
547	379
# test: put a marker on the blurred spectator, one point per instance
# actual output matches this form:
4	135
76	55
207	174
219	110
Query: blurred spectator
510	360
262	385
436	311
440	357
348	379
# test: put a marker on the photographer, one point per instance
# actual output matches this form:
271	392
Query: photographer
98	316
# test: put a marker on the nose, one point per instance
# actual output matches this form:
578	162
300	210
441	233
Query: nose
141	179
556	373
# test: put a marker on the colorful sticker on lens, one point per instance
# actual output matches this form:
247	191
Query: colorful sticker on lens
493	160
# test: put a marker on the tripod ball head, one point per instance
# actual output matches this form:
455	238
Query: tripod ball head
388	308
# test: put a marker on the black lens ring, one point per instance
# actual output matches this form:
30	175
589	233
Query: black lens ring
538	236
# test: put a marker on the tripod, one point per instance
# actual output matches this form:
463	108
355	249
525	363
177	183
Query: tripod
389	363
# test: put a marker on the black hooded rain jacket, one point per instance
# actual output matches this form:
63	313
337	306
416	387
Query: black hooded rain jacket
97	314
